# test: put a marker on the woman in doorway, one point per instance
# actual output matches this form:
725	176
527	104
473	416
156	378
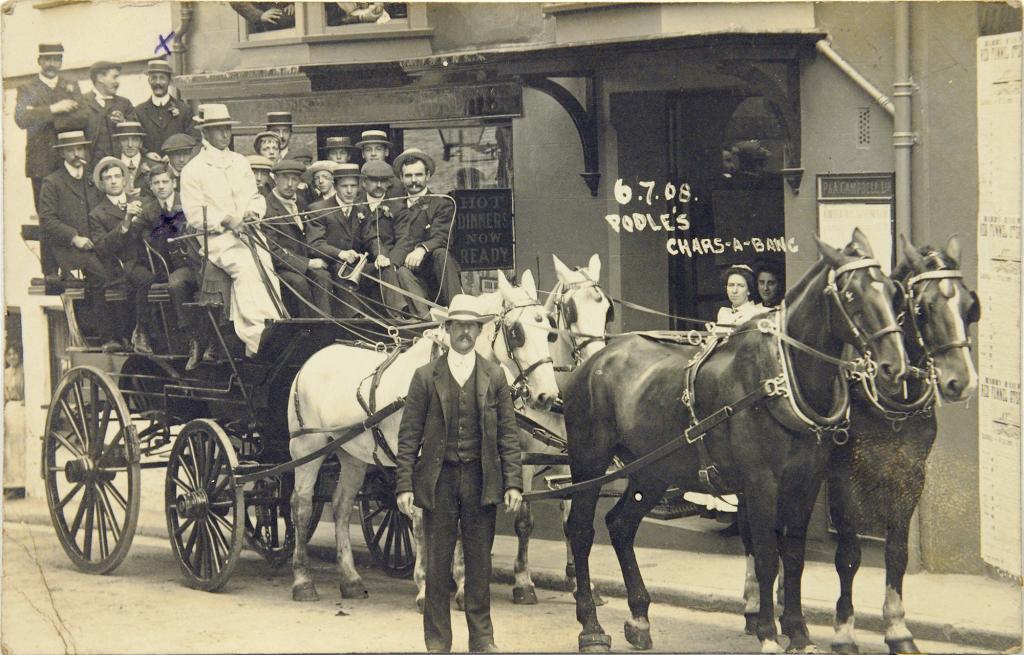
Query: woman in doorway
739	287
14	424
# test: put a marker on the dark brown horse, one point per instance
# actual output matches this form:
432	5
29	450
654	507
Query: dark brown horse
625	401
881	471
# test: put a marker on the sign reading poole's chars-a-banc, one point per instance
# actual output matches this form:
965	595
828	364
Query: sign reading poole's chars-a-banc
484	229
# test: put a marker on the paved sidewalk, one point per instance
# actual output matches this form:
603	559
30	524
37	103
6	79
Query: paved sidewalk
966	609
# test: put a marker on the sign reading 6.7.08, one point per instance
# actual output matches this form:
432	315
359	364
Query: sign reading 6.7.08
668	204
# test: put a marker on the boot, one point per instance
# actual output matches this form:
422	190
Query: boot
140	342
194	355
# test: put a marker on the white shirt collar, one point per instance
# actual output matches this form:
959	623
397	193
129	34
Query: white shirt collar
102	99
76	173
373	203
167	203
342	204
461	366
216	156
330	195
161	101
288	202
48	82
132	162
117	200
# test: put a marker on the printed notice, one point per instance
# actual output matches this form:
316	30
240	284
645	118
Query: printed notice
999	172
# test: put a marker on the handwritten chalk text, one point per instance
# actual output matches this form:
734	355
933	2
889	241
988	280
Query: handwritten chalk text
690	246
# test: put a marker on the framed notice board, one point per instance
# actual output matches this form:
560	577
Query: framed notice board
863	200
485	235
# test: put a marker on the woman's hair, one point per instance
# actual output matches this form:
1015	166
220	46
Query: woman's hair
743	271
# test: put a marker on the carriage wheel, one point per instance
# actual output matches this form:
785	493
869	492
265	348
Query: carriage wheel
91	470
387	531
204	505
268	522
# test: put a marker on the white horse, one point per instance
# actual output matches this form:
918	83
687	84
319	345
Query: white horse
324	395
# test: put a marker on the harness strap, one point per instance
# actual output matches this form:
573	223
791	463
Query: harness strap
539	432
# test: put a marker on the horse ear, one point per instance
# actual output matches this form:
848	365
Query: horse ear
561	270
831	255
594	267
911	253
953	248
861	240
503	284
526	283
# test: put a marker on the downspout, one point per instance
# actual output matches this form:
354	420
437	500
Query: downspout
903	136
825	48
179	50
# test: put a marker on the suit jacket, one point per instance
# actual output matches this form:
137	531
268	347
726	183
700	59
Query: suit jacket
289	245
335	232
32	114
161	122
378	229
64	206
424	430
99	121
427	223
112	244
162	225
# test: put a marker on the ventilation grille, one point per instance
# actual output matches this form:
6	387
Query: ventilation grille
863	127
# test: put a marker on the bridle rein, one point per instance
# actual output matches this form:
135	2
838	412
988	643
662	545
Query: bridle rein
514	335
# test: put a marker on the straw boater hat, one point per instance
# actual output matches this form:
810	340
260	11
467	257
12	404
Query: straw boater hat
159	66
103	165
213	115
279	118
259	162
346	170
339	143
369	137
128	128
463	308
72	138
51	50
414	153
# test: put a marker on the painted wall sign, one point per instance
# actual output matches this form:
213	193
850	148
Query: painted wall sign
864	200
999	288
485	237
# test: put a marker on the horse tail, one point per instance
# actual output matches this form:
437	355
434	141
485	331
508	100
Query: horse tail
294	412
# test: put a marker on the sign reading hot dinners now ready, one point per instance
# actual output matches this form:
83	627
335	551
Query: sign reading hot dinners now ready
484	230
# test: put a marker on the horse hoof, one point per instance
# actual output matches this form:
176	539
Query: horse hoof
598	598
354	590
750	624
595	643
640	638
524	595
305	593
900	646
802	648
845	648
770	646
420	604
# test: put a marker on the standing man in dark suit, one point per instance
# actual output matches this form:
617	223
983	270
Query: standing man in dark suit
103	109
42	107
65	201
163	115
423	228
290	232
458	455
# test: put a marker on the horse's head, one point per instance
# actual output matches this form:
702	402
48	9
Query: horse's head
521	341
942	309
581	307
864	298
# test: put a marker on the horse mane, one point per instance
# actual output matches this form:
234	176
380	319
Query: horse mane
935	260
800	287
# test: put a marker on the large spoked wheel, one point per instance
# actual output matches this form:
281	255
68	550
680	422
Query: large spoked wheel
91	470
205	516
387	531
268	522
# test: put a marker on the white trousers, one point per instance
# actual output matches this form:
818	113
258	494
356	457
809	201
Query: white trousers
251	304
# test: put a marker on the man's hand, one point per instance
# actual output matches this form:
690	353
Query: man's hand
117	116
382	262
230	222
415	258
316	264
350	256
513	501
271	16
63	106
250	215
134	208
82	243
404	501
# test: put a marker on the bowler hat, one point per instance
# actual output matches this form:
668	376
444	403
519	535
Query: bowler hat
377	170
72	138
128	128
103	165
414	153
177	142
279	118
213	115
464	307
259	162
289	166
346	170
338	142
158	66
369	137
51	50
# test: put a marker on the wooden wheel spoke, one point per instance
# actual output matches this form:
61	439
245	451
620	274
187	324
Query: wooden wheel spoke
77	389
94	419
67	444
388	552
374	513
220	548
212	483
179	484
183	465
104	426
379	533
222	484
80	514
90	514
228	525
184	526
190	546
101	527
407	540
107	450
111	520
194	464
71	494
121	500
74	426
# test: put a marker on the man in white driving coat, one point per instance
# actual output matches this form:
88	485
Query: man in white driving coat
221	182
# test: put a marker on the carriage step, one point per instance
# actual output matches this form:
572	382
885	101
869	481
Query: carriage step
545	459
159	292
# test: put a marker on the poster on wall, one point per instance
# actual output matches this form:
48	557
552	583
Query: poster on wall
999	198
850	201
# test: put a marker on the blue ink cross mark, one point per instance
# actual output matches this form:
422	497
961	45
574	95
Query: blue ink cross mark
164	43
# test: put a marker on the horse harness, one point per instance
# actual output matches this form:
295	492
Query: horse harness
567	309
514	335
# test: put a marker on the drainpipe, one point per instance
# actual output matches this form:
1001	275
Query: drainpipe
903	136
179	50
825	48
